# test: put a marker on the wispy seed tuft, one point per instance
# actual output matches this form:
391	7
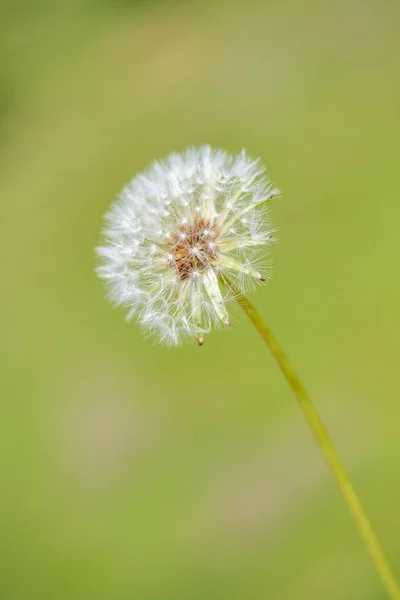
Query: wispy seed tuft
179	233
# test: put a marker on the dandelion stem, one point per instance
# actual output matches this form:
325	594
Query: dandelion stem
322	437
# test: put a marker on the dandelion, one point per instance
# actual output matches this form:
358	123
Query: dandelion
179	233
183	238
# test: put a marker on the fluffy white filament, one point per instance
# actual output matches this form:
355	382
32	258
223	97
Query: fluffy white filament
179	233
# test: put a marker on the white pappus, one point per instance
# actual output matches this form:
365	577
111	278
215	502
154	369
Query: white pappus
180	234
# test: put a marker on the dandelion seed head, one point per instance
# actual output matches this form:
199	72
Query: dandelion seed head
179	233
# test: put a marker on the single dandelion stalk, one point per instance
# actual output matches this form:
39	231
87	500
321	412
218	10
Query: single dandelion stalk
181	240
324	442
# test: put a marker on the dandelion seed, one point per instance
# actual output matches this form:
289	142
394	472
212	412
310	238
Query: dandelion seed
162	265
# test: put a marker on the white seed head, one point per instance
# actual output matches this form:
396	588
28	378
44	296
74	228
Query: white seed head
179	234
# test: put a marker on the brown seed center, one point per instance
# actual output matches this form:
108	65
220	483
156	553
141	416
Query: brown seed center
193	247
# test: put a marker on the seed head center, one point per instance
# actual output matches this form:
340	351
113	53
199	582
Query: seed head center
193	247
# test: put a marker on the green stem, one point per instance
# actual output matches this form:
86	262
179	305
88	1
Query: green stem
321	435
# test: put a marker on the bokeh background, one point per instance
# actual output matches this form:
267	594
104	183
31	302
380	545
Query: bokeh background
129	471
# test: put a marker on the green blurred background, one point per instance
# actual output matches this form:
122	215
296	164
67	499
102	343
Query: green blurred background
129	471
